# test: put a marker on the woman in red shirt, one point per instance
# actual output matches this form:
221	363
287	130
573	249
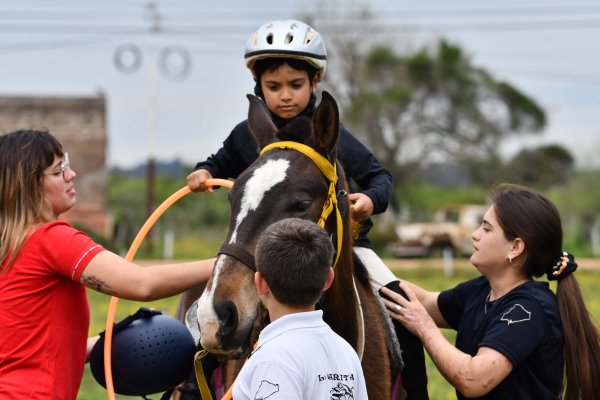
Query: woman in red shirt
45	265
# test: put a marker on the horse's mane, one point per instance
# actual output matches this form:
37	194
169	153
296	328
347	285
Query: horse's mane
362	274
297	130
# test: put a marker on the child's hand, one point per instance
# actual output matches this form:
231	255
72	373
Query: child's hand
196	181
362	206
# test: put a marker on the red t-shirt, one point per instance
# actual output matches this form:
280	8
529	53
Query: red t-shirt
44	315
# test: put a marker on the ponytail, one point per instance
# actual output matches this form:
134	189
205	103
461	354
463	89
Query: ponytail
582	339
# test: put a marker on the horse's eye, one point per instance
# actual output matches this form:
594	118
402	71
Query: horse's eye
302	206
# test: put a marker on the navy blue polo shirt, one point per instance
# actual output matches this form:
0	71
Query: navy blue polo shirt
524	325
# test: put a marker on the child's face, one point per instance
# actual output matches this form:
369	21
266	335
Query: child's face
287	90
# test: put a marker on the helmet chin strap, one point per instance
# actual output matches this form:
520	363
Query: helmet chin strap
258	91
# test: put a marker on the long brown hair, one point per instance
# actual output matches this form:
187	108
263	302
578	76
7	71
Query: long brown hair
24	155
527	214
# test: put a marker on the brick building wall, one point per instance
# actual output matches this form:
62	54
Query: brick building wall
80	124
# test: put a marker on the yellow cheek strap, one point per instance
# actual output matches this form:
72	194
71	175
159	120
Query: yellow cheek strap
329	170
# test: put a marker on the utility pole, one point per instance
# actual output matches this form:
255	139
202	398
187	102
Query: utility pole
173	62
152	74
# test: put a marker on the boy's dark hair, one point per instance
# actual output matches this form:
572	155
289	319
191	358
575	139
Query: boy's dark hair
271	64
294	256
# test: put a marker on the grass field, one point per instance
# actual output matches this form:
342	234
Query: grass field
426	273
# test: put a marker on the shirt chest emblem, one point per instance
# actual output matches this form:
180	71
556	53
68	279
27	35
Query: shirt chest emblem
517	313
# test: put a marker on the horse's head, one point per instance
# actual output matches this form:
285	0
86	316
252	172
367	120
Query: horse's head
281	183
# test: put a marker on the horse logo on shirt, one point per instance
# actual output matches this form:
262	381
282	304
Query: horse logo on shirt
266	389
342	392
517	313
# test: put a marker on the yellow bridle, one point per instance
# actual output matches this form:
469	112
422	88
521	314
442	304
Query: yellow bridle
329	170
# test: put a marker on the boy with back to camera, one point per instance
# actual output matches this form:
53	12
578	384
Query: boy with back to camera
298	356
287	60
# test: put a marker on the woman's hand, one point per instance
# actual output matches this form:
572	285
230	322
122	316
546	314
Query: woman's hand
410	312
91	341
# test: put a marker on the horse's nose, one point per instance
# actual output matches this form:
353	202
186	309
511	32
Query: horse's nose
228	319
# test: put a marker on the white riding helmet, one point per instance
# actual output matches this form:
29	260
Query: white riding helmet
286	39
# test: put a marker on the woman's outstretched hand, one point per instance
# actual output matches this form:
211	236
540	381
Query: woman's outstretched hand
410	312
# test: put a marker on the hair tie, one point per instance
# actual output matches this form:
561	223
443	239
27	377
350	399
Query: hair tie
563	266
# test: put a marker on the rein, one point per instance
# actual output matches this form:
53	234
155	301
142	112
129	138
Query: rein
329	170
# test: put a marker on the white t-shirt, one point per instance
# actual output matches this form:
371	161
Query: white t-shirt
300	357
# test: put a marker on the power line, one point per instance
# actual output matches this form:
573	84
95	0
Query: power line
393	22
557	77
202	8
404	13
78	29
53	44
387	28
493	11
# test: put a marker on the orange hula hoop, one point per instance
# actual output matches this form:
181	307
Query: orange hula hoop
135	245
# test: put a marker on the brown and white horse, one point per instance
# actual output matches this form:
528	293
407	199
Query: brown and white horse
289	180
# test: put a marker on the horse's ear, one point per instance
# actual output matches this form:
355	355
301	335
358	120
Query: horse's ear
259	121
326	123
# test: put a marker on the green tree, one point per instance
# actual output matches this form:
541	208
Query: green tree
579	203
544	166
431	106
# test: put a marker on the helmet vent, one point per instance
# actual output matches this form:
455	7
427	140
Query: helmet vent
270	38
288	38
309	37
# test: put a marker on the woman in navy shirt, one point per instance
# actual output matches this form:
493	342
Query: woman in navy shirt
514	335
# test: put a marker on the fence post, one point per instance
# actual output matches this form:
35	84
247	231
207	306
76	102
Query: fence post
448	261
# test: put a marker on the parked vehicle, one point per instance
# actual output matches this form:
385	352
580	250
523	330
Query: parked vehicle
451	229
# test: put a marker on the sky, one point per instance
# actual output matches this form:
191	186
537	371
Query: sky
176	92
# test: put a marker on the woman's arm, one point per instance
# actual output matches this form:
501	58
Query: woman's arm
110	274
473	376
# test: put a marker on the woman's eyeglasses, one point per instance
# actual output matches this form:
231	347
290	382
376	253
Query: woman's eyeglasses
64	165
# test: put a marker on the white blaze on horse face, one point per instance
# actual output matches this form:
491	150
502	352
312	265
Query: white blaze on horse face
207	318
263	179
